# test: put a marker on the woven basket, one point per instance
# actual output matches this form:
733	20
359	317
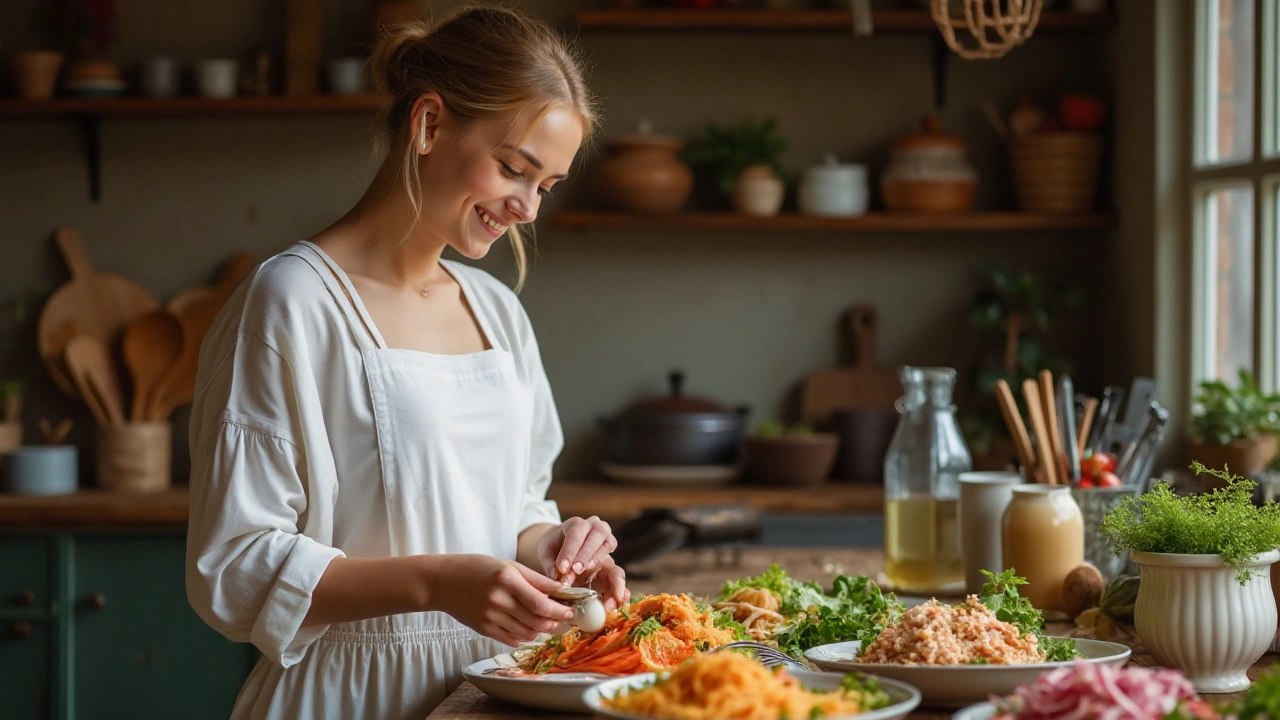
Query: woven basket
1056	172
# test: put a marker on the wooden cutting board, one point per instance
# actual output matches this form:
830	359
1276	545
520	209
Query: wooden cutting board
863	384
99	305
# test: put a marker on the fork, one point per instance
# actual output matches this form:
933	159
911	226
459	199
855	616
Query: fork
767	656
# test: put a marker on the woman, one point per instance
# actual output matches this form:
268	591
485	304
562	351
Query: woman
373	432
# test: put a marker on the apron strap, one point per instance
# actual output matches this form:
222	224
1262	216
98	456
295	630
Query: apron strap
340	286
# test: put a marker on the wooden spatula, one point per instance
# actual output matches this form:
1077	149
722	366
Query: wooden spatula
178	385
96	379
151	347
90	303
864	384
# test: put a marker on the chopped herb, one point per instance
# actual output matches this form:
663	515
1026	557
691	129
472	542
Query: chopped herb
724	620
816	712
625	612
647	627
1000	594
867	689
979	661
545	666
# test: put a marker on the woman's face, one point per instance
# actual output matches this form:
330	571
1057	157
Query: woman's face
479	181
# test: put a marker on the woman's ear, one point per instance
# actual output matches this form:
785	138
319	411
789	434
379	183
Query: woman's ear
428	113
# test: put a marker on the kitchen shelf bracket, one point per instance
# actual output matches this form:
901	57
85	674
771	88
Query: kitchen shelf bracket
91	130
941	54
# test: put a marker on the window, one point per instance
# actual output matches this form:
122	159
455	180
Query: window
1235	191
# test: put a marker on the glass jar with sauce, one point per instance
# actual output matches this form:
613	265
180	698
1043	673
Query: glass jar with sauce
1042	539
921	484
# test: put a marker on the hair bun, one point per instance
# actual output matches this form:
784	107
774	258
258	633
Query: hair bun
387	62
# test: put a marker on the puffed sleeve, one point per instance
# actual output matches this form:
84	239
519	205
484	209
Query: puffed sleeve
545	444
251	570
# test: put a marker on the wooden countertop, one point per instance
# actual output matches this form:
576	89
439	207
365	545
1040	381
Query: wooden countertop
703	572
92	508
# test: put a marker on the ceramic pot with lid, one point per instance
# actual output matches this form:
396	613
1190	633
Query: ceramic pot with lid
833	189
676	429
643	173
928	173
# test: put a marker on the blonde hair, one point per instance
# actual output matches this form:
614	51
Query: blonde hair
484	62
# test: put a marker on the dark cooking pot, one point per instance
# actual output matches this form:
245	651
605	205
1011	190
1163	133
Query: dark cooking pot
676	430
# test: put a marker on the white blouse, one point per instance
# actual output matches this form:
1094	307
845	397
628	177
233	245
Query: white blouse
311	439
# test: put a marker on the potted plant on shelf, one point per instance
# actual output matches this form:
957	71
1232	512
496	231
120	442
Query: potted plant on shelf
1205	604
796	455
1014	310
1237	428
747	162
89	28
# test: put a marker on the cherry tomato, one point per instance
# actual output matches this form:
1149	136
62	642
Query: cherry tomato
1104	462
1086	481
1108	479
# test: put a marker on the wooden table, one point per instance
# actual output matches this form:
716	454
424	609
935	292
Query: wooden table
703	572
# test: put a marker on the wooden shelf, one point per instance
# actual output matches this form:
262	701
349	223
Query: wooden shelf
142	107
795	222
95	509
803	20
618	502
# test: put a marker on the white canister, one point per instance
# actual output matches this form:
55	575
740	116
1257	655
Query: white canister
983	499
346	76
159	76
833	189
217	77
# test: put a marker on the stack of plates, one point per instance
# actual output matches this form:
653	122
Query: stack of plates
94	88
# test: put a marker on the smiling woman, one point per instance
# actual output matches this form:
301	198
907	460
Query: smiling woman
373	434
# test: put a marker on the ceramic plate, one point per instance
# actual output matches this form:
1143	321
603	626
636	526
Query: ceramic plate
671	474
559	692
905	698
983	711
959	685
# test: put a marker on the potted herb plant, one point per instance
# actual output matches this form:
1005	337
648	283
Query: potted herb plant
1205	604
1013	310
796	455
747	162
1238	428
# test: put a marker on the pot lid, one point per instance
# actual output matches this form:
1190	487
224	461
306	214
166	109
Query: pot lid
645	137
931	137
676	403
832	167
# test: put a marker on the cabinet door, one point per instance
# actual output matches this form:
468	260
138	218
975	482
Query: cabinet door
24	572
140	650
24	669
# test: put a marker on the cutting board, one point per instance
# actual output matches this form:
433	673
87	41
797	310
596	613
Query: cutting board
99	305
863	384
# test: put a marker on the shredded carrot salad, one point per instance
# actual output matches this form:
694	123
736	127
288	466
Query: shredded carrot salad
724	685
657	632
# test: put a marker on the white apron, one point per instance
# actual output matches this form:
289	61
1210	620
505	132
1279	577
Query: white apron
444	490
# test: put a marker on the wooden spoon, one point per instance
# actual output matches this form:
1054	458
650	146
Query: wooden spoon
178	385
95	378
152	344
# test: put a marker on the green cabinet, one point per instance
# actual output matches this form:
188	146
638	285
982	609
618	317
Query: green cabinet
97	625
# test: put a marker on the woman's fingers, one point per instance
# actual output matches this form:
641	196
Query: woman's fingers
595	548
530	589
575	532
510	606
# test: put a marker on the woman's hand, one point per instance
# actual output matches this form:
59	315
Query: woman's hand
578	551
497	598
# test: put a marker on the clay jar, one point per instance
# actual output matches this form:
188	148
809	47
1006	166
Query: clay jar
758	191
643	173
35	73
928	173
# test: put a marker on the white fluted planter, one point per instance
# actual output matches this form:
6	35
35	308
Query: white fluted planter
1192	614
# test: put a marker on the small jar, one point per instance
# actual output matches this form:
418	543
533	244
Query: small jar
928	173
833	189
1042	539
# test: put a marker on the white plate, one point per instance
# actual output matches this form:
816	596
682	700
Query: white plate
982	711
905	698
558	692
671	474
959	685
